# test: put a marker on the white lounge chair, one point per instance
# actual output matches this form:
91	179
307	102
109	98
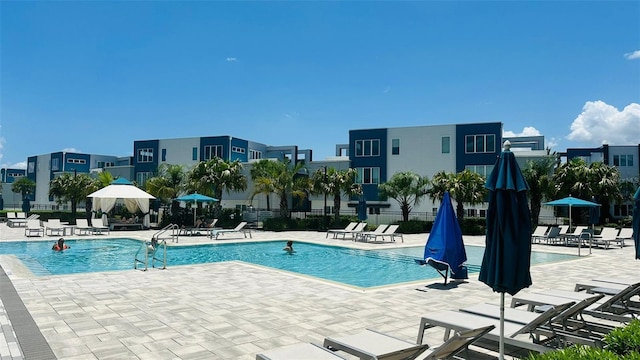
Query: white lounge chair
238	229
607	236
356	230
624	234
539	232
18	219
366	235
83	227
391	233
53	227
33	228
306	351
98	226
335	232
371	344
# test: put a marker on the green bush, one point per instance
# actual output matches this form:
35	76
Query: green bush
412	227
473	226
576	352
624	340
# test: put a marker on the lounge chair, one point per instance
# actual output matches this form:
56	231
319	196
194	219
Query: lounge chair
391	233
552	236
238	229
98	226
373	345
354	232
462	321
33	228
366	235
14	219
607	236
587	285
53	227
574	236
299	351
83	227
540	232
335	232
624	234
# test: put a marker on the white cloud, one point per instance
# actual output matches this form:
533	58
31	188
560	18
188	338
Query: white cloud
71	150
632	56
527	131
20	165
600	123
231	59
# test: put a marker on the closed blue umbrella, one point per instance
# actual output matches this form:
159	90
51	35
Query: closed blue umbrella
362	209
26	205
507	256
594	212
445	250
636	222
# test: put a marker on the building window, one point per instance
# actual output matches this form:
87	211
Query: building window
480	143
145	155
483	170
237	149
622	160
142	176
211	151
255	154
368	147
104	164
622	210
55	164
76	161
368	175
31	168
164	154
446	144
395	147
194	154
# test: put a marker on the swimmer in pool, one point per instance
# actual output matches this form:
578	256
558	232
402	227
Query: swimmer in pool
289	247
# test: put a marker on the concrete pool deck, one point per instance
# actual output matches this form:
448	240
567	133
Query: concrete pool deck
235	310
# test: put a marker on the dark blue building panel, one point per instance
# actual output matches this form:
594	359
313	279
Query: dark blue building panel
477	144
146	156
368	155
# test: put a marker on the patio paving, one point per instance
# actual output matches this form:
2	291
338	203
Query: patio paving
234	310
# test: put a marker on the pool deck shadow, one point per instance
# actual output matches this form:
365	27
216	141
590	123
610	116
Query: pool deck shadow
234	310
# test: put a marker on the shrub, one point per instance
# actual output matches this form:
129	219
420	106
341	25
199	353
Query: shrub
412	227
624	340
576	352
473	226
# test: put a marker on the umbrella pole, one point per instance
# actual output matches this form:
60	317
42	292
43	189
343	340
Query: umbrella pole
501	326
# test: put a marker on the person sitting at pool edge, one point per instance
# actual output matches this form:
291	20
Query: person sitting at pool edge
60	245
289	247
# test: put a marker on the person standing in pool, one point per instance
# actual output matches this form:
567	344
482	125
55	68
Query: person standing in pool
289	247
59	246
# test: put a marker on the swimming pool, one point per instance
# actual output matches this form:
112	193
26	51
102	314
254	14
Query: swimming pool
362	268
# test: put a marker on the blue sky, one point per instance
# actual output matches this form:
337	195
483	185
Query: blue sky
93	76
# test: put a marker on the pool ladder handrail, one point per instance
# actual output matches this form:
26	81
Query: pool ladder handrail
149	250
175	230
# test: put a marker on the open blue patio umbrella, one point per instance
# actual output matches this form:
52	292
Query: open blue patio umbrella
196	198
571	202
507	256
636	222
445	250
362	209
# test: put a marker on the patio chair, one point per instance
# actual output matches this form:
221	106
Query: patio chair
53	227
624	234
552	236
238	229
391	233
98	226
574	236
299	351
539	232
14	220
335	232
535	327
83	227
365	235
374	345
354	232
607	236
33	227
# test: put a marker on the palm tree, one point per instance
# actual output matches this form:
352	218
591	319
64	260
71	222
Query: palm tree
24	186
263	174
281	178
539	176
465	187
72	188
335	183
407	188
215	176
105	179
606	184
167	184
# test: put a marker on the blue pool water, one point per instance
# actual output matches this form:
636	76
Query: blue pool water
362	268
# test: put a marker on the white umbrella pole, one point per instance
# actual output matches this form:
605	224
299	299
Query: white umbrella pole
501	326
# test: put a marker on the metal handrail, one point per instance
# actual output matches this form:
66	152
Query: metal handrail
174	232
150	248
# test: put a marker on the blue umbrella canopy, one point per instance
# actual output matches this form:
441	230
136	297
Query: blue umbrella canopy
507	256
445	246
571	201
195	197
362	209
636	222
